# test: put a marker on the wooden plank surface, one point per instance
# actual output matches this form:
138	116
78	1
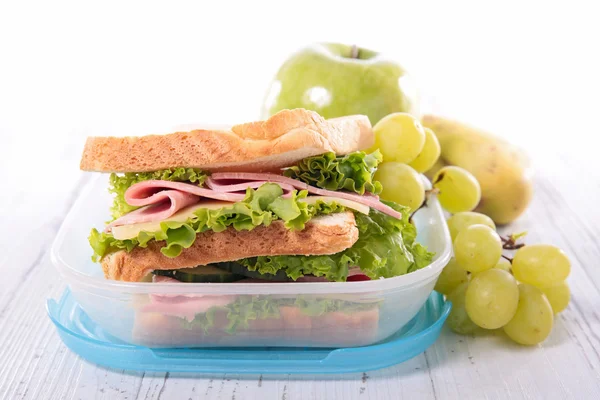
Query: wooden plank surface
34	364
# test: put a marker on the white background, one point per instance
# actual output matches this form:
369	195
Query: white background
525	70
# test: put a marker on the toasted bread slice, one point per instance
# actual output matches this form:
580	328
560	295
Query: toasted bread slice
280	141
322	235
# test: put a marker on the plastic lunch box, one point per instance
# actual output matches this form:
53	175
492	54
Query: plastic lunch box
380	308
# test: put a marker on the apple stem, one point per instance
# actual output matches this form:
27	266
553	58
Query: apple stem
354	51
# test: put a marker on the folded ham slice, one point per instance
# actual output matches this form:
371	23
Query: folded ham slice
164	205
186	307
150	192
161	199
183	306
244	177
225	186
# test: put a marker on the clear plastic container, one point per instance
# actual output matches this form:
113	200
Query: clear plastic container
340	314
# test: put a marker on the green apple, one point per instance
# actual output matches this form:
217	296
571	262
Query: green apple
336	80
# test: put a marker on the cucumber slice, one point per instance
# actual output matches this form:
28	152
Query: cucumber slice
239	269
201	274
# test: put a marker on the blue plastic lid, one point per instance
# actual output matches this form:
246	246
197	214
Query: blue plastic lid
86	338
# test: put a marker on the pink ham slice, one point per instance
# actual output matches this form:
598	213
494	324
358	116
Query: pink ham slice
183	306
221	185
161	199
368	200
164	279
186	307
168	202
150	192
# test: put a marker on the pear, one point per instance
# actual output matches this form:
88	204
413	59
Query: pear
503	170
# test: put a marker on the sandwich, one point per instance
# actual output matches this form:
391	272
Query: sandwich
289	199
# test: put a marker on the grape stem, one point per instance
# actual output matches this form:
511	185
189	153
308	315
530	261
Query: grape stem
354	51
428	193
431	192
508	246
510	243
508	258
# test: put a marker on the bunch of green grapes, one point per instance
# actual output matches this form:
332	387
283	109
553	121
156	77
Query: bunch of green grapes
408	150
490	290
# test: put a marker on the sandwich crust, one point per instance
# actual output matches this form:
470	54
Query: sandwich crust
280	141
322	235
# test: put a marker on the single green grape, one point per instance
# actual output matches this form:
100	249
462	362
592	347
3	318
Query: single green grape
504	265
429	154
541	265
459	190
534	318
461	220
477	248
399	136
491	299
401	184
558	296
458	319
452	275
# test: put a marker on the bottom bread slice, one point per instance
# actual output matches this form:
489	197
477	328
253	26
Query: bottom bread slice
328	234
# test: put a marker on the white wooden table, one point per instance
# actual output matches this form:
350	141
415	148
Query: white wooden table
34	364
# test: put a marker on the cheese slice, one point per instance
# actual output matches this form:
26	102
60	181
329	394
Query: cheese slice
361	208
131	231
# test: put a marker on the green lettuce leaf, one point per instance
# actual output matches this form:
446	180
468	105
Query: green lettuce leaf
353	172
120	183
386	247
260	207
179	238
249	308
